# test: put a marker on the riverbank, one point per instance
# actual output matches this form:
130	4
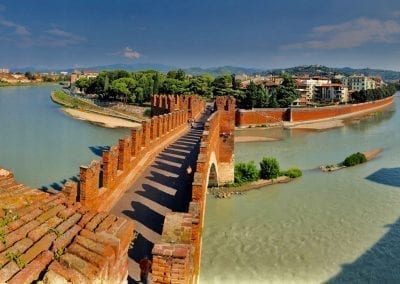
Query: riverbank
242	139
226	192
84	110
103	120
39	84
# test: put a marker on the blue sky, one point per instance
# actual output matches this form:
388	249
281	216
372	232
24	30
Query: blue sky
187	33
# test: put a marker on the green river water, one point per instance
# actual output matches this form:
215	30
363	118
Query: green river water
42	145
338	227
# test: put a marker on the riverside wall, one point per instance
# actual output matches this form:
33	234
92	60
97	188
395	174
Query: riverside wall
270	116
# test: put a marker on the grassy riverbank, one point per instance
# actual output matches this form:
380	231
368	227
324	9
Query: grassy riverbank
85	110
32	84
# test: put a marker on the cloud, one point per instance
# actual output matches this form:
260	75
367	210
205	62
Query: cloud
129	53
58	37
18	29
349	34
396	14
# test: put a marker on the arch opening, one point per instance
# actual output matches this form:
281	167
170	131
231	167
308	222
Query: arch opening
212	176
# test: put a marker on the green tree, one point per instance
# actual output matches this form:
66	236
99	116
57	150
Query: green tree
82	83
286	93
120	87
222	85
354	159
273	103
269	168
246	172
30	76
156	83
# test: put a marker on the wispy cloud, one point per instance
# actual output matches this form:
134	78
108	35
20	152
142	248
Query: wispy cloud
17	29
396	14
128	52
349	34
58	37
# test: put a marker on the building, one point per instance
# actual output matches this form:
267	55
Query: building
82	73
308	88
332	92
359	82
4	70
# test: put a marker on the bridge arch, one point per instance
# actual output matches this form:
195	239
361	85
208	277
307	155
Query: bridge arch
212	171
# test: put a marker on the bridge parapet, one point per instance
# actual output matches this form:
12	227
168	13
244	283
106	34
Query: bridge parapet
100	182
216	156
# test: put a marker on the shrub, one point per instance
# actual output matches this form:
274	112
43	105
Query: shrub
269	168
147	112
354	159
246	172
292	173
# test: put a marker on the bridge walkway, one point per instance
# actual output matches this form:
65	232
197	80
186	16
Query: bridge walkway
163	187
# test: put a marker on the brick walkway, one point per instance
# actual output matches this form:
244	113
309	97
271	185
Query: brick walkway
163	187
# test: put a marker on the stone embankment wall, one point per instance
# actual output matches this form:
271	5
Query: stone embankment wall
176	259
103	182
268	116
54	239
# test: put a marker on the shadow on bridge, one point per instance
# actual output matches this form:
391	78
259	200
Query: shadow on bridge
165	186
379	264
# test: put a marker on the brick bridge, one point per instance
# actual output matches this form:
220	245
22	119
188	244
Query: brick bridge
145	178
83	233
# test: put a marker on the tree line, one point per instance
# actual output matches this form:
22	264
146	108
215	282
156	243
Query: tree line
363	96
137	87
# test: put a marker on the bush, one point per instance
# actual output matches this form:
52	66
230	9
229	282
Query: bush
246	172
354	159
269	168
147	112
292	173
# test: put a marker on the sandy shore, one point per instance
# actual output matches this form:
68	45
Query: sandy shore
372	154
239	139
106	121
320	125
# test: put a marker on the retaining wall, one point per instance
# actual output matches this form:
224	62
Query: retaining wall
271	116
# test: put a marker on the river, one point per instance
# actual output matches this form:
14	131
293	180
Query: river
324	227
40	144
338	227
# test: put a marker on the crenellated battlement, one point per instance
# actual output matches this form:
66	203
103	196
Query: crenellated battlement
100	182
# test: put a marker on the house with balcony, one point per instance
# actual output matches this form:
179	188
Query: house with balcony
332	92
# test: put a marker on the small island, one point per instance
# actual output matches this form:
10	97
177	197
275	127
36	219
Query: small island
249	177
353	159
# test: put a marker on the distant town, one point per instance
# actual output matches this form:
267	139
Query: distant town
308	89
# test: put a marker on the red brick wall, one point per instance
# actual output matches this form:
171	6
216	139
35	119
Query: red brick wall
261	116
264	116
131	151
305	114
